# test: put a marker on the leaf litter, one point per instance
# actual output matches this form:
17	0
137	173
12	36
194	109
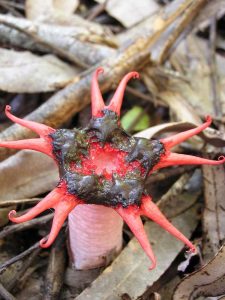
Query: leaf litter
180	91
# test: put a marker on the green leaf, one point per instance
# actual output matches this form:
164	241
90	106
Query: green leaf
130	117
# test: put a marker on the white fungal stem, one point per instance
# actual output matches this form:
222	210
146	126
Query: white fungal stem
95	236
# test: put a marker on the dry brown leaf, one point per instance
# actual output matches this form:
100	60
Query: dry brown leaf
67	6
208	281
209	135
47	12
214	211
24	72
192	55
130	12
36	9
39	175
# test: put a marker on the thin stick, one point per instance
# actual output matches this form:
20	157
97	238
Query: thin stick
56	268
19	257
10	8
60	52
24	226
5	294
16	5
213	69
97	10
25	266
19	201
139	94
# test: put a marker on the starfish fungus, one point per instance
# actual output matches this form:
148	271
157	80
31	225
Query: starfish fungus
103	165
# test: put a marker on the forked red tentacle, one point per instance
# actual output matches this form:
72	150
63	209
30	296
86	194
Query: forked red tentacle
181	137
62	209
116	101
151	210
40	129
39	144
171	159
50	201
132	218
97	101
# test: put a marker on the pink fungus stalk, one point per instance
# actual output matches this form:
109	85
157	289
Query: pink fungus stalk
103	172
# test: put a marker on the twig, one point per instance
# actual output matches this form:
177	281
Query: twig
184	26
25	266
213	68
169	173
56	50
139	94
97	10
56	268
76	40
19	201
10	8
13	4
5	294
24	226
18	257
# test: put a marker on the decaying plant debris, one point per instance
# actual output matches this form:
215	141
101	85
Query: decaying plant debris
49	50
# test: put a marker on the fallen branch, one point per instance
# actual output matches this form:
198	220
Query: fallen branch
69	42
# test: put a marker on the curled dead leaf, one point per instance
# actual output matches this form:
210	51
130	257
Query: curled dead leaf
211	136
208	281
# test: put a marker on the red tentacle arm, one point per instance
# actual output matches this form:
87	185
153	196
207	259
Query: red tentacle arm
40	129
39	144
183	136
131	216
97	101
151	210
62	210
170	159
116	101
50	201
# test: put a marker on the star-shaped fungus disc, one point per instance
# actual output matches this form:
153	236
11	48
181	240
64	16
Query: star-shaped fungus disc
103	165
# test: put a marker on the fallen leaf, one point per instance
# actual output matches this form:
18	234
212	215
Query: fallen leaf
194	63
134	114
209	135
213	217
67	6
36	9
24	72
39	175
131	12
208	281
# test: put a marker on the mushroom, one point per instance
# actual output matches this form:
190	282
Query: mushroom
103	171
